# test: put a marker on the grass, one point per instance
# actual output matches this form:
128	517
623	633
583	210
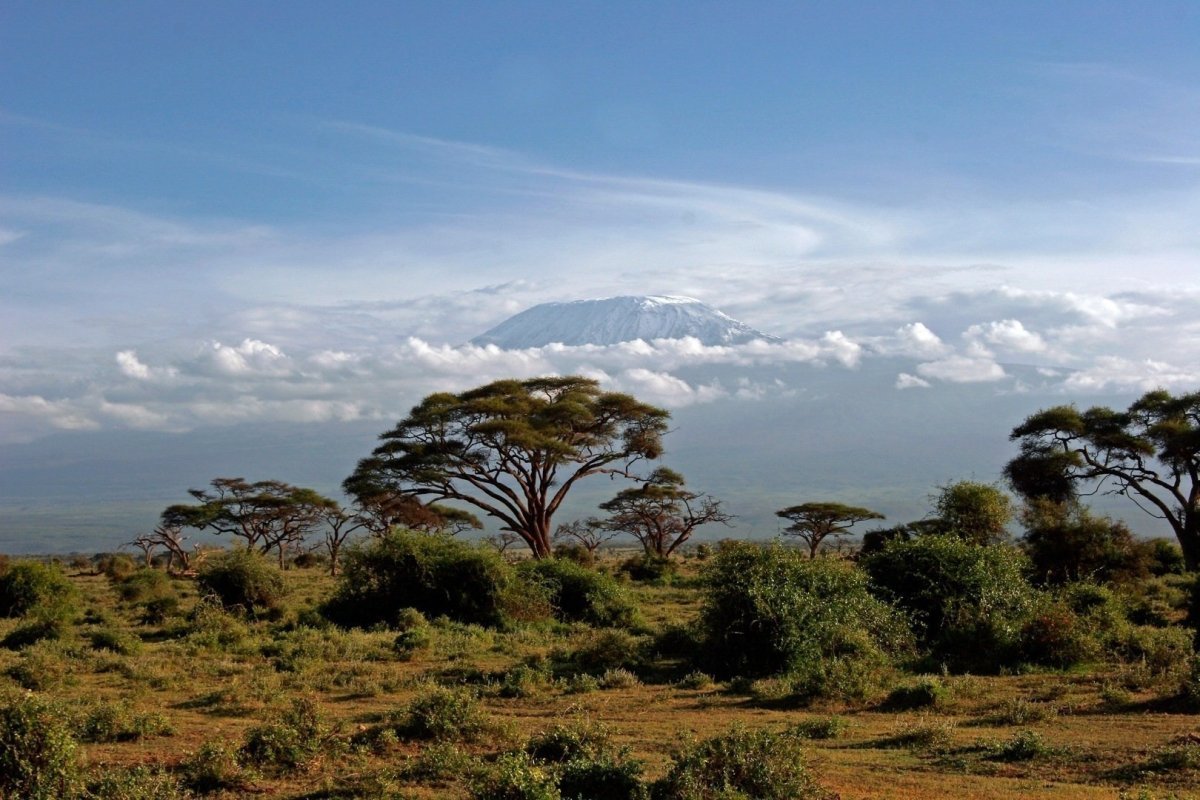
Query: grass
178	699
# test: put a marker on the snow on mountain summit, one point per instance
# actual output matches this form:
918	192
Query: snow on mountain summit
618	319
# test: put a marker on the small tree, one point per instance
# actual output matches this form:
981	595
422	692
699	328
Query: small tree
661	513
147	544
590	534
513	449
977	512
269	515
813	523
339	524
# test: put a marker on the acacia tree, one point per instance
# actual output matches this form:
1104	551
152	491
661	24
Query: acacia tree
588	533
1149	453
661	513
267	514
813	523
514	449
381	508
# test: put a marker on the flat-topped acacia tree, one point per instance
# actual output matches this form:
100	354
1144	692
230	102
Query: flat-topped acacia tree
1149	453
514	449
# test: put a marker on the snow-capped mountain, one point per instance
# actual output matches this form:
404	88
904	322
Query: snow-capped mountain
618	319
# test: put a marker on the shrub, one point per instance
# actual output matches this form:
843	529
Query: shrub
605	650
832	727
210	625
967	601
242	580
46	629
115	566
569	742
646	568
1024	746
138	783
1054	636
27	586
750	764
772	611
145	585
514	776
579	594
443	714
38	754
212	768
434	574
925	693
1022	712
291	743
924	735
114	640
695	680
116	722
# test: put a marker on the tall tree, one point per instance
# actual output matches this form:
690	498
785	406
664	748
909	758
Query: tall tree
514	449
662	513
813	523
1149	453
269	515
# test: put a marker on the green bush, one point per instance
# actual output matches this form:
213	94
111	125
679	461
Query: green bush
773	611
290	744
115	566
212	768
925	693
28	586
605	650
145	585
434	574
967	602
138	783
38	754
832	727
117	722
579	594
113	640
514	776
1054	636
443	714
242	580
646	568
741	764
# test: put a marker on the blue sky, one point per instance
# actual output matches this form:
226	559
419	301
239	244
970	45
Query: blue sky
236	213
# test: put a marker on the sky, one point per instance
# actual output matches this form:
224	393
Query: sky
230	213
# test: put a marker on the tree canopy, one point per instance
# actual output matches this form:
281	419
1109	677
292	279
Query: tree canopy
813	523
1149	453
267	514
514	449
662	513
977	512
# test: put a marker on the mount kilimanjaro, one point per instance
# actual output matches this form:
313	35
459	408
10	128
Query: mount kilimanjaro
618	319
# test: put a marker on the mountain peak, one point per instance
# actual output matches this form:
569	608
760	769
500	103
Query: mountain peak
618	319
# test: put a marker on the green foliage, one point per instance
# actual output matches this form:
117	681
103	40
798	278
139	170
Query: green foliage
290	744
925	693
242	580
144	585
741	764
28	586
1066	542
512	448
38	754
213	767
649	568
831	727
432	573
514	776
588	766
443	714
967	601
138	783
114	640
977	512
1024	746
117	722
771	611
578	593
116	566
607	649
1054	636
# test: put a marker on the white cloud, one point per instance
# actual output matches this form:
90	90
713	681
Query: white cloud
906	381
962	369
1008	334
1123	374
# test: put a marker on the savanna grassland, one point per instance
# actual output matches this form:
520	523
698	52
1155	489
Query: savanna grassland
612	680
